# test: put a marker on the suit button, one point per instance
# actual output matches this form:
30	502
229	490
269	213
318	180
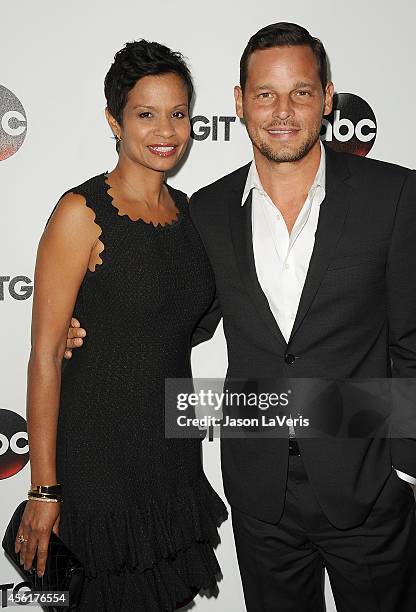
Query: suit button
290	359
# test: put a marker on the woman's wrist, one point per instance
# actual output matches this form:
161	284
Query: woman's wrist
44	497
52	493
44	483
46	488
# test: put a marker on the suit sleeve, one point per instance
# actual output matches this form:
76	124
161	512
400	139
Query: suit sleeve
210	320
208	324
401	299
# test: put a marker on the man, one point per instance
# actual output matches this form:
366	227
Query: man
315	263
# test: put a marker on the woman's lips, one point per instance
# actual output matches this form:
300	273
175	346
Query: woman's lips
162	150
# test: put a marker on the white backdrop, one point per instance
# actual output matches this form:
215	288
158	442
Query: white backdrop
54	57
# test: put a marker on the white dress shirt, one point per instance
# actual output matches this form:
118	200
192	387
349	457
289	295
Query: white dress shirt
282	260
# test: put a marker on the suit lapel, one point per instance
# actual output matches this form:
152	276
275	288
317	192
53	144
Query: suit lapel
242	237
332	215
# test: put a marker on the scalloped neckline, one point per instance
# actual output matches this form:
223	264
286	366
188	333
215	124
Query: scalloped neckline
140	220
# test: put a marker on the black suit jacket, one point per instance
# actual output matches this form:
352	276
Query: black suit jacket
356	318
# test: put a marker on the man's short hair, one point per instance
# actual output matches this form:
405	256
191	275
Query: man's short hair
280	35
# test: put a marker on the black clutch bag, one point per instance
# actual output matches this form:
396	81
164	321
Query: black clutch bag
63	571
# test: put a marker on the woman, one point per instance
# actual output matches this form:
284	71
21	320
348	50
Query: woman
121	250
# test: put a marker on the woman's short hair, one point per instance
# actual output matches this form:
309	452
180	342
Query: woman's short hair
136	60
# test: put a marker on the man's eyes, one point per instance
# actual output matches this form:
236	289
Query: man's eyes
300	93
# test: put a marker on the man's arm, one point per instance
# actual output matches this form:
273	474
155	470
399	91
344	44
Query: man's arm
203	331
208	324
401	296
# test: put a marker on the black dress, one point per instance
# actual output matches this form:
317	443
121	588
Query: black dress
138	510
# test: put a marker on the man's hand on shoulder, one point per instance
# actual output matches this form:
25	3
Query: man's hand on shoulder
74	338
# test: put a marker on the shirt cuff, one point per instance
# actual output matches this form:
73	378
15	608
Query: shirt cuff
406	477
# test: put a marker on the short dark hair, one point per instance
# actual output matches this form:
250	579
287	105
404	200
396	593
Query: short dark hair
285	34
136	60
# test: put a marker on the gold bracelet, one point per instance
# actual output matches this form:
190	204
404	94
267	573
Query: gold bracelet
44	499
44	495
55	484
55	488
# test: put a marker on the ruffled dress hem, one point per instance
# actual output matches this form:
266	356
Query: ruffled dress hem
148	557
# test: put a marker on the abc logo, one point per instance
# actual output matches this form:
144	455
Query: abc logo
351	127
14	448
12	123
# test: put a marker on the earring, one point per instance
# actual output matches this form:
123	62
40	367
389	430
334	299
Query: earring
117	137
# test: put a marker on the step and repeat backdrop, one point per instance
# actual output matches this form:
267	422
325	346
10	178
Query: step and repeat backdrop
53	135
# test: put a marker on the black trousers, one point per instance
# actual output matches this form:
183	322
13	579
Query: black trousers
371	568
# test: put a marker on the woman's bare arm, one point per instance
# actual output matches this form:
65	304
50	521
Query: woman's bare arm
67	248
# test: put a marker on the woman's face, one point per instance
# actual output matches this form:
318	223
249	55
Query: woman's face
156	124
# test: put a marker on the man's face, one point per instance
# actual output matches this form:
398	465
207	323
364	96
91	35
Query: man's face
283	102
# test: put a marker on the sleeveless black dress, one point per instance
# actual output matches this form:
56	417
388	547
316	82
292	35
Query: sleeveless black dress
138	510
